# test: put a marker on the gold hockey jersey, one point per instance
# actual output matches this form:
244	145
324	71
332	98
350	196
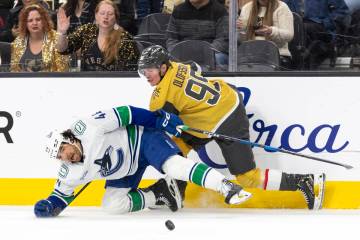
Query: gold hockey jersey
199	102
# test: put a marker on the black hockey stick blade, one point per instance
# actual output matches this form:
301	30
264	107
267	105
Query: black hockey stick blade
266	147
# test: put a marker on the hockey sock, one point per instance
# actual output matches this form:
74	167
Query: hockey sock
140	200
272	179
277	180
187	170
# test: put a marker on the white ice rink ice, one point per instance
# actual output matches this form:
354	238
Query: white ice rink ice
83	223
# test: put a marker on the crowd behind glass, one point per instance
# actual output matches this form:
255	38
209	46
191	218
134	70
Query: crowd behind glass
109	35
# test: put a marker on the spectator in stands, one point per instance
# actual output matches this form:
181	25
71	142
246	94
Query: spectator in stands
205	20
322	20
33	50
269	20
105	46
10	31
80	12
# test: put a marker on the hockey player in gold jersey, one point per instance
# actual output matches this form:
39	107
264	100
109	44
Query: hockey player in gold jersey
213	105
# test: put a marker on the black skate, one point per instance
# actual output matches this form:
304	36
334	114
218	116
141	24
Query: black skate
233	193
312	187
166	193
181	186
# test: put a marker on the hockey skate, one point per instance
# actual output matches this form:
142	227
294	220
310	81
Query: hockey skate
181	186
233	193
312	187
166	193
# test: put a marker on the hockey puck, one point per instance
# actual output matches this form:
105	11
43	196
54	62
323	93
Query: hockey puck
170	225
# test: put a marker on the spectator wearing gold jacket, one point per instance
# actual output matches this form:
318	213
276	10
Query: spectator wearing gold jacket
34	50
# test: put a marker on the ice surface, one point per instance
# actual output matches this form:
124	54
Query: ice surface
82	223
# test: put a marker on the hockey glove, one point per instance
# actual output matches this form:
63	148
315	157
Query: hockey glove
50	207
168	122
44	208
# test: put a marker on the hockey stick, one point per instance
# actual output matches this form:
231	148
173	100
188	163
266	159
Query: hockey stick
266	147
58	210
82	189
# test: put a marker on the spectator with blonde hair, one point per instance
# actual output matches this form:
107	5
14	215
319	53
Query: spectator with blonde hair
34	50
104	46
268	20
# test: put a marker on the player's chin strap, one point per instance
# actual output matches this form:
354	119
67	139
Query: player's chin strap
266	147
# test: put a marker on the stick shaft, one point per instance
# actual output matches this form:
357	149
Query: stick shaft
225	137
80	191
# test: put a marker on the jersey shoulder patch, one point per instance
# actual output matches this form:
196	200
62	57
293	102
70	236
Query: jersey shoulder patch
79	127
64	171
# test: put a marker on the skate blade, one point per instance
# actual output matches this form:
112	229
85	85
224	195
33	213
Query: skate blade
174	190
162	207
240	198
159	207
319	190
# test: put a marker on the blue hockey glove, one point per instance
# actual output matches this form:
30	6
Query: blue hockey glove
44	208
50	207
168	122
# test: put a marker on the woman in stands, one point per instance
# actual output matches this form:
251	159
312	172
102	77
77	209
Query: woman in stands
105	46
10	30
268	20
34	50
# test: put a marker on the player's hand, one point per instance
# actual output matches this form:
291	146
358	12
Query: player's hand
44	208
168	122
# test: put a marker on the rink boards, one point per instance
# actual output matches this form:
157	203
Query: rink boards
308	115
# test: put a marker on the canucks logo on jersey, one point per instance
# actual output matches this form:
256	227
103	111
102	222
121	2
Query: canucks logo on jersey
105	163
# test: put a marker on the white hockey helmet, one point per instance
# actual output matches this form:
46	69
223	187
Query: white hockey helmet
53	143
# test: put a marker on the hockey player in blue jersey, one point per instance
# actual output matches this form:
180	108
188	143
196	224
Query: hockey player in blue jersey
118	145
